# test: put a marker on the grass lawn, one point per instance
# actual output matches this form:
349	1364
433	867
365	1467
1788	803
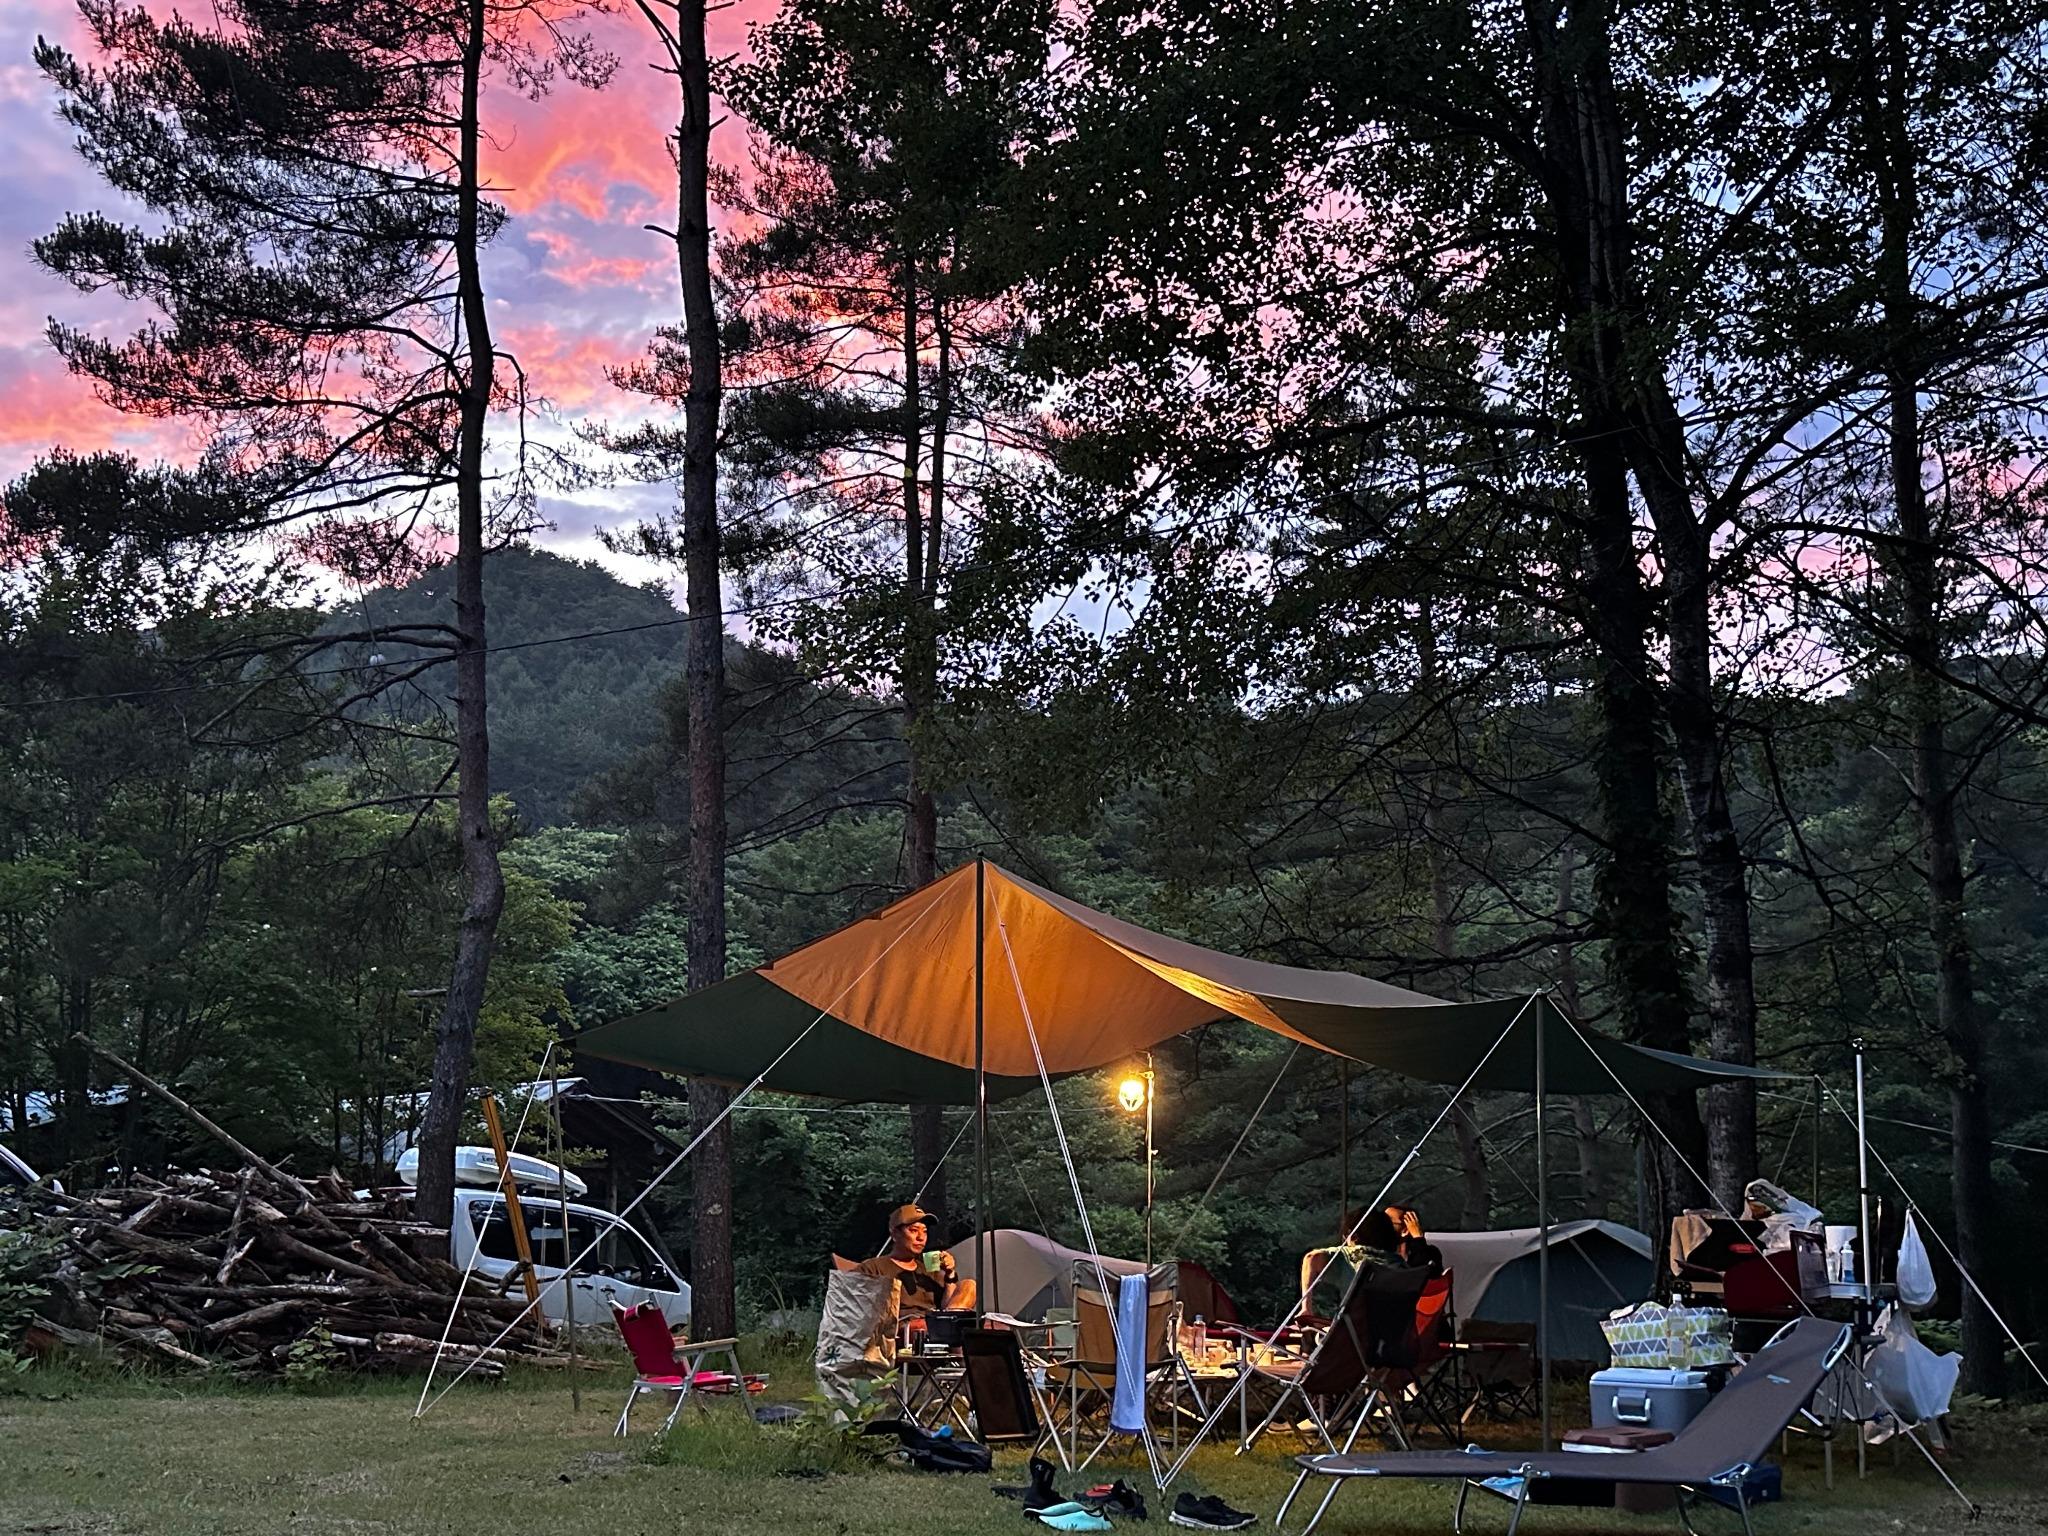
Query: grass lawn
129	1455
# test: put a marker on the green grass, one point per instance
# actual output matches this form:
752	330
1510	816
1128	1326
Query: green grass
111	1454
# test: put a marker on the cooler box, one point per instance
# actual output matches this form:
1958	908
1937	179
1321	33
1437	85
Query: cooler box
1622	1440
1643	1398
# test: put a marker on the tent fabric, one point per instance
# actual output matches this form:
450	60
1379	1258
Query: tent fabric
1595	1267
1034	1274
891	997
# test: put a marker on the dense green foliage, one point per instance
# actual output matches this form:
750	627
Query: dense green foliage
1496	498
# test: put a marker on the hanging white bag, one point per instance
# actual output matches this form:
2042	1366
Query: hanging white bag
1916	1272
1909	1378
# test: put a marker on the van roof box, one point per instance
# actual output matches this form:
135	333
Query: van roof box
477	1167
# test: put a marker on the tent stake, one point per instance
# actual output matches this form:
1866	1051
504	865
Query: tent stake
1542	1232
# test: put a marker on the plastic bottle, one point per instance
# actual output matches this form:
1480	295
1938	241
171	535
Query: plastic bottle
1201	1336
1849	1263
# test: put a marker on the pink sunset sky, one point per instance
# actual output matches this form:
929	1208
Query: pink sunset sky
578	283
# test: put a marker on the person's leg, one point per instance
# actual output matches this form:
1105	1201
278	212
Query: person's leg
964	1294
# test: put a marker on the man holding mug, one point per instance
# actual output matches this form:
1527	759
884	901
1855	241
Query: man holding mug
926	1278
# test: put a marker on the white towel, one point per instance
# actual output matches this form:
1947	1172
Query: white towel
1127	1410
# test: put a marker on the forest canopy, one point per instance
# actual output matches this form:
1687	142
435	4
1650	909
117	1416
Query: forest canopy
1495	499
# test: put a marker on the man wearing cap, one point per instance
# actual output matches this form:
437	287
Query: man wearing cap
925	1281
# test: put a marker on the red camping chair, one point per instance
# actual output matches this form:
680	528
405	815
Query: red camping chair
1427	1382
660	1365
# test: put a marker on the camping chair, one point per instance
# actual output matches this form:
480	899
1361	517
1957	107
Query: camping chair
661	1365
1429	1381
1000	1391
1715	1453
1088	1380
1355	1360
1501	1361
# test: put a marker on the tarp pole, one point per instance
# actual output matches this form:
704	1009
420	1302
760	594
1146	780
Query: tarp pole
1149	1159
1816	1141
1865	1256
1542	1234
1344	1146
982	1245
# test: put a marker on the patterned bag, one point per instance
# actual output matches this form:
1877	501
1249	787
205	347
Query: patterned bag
1699	1337
1639	1336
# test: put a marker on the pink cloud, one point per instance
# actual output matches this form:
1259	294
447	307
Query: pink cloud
44	406
568	366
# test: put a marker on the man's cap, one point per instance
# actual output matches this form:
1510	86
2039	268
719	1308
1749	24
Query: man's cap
907	1215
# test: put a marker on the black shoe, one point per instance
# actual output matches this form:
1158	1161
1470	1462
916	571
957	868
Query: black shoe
1038	1491
1234	1519
1119	1498
1208	1514
1041	1494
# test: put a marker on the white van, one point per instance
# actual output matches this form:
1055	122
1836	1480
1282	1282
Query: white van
14	1171
614	1262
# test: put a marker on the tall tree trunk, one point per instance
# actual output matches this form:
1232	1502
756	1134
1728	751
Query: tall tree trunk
1657	450
1889	80
1477	1214
1724	910
455	1036
714	1306
1569	998
1632	890
1585	147
919	684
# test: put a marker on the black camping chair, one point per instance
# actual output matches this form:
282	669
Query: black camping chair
998	1387
1716	1451
1371	1339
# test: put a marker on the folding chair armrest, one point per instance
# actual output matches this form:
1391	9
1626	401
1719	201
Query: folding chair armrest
700	1344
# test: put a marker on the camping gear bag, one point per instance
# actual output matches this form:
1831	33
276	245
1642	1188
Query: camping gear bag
856	1336
1638	1336
1760	1485
1698	1337
1648	1399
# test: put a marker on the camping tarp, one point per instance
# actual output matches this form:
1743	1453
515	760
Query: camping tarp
884	1009
1595	1267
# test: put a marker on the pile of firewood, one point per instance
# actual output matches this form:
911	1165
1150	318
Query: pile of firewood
241	1270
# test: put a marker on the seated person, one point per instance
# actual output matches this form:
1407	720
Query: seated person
1412	1246
925	1280
1393	1237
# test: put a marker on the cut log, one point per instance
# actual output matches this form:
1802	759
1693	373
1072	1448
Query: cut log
257	1317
